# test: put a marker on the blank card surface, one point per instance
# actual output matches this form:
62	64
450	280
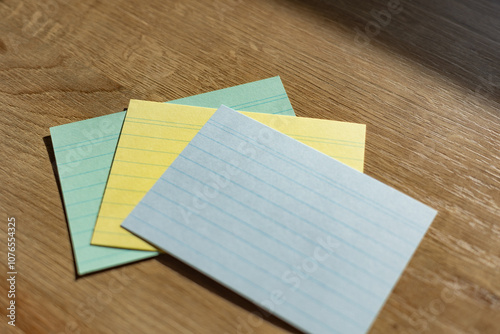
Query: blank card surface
154	134
300	234
84	152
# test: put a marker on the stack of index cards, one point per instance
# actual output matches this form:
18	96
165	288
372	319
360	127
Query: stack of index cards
273	206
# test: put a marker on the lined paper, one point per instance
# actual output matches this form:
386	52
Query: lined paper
293	230
154	134
84	152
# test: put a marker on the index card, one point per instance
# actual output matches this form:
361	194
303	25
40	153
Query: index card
302	235
153	134
84	152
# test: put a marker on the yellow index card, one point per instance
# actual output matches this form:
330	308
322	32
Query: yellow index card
154	134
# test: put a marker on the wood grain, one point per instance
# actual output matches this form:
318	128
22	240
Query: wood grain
426	83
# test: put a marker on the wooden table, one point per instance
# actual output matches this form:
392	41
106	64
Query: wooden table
423	75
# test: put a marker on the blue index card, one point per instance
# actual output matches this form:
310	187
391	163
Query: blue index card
298	233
